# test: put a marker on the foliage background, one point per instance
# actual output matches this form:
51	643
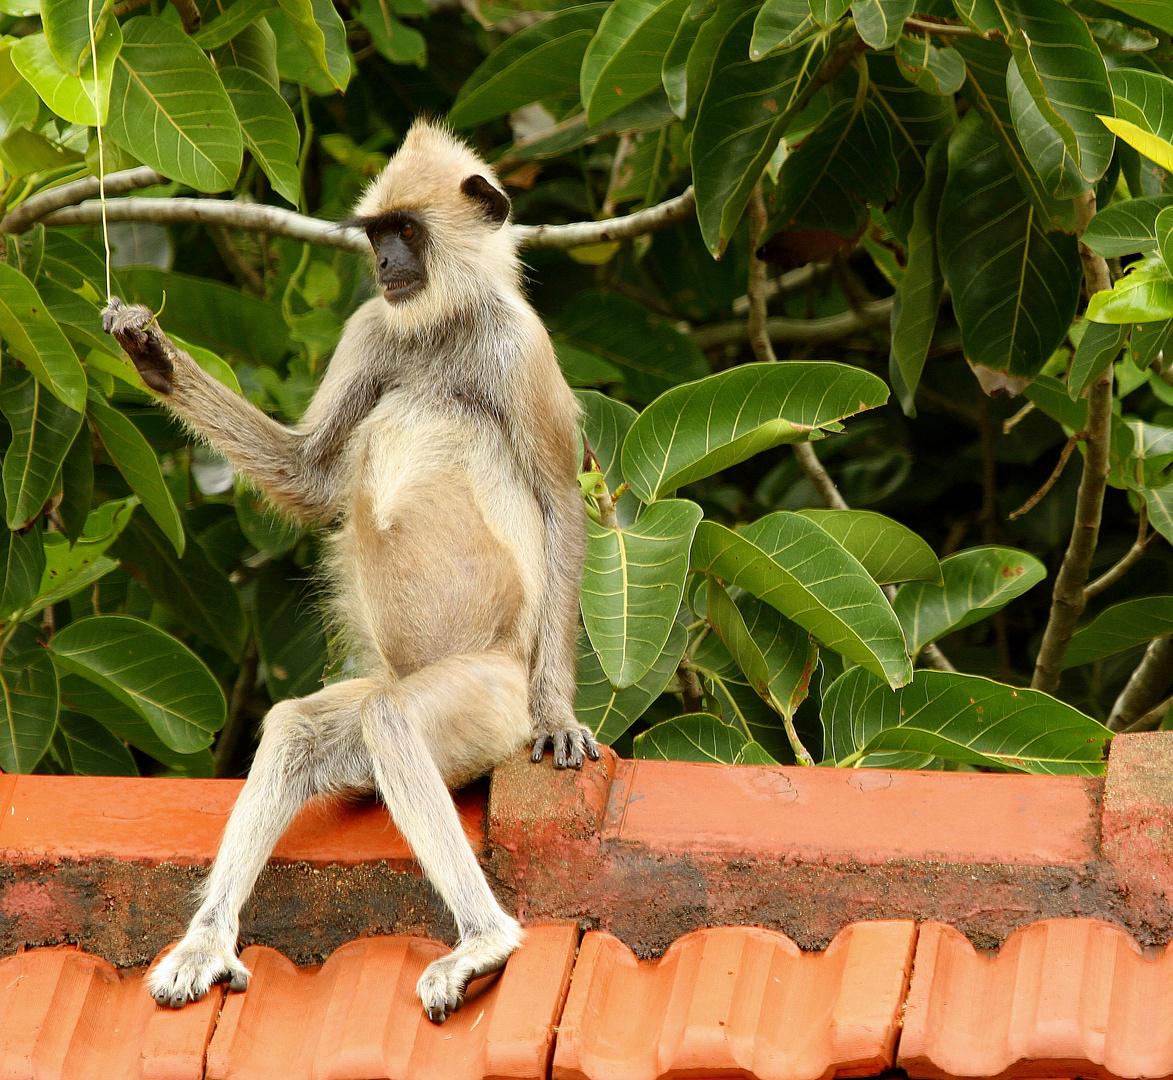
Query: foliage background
936	154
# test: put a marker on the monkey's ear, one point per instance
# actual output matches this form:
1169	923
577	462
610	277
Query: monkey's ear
494	203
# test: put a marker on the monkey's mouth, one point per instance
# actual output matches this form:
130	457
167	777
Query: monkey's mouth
398	289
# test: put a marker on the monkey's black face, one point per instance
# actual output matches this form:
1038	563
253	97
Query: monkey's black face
398	240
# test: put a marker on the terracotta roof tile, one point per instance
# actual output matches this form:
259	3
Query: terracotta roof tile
357	1017
69	1015
1063	997
736	1001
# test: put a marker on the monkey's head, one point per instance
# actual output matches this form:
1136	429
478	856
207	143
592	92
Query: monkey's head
435	218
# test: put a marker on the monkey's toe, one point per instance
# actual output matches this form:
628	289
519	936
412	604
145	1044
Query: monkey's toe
539	751
191	969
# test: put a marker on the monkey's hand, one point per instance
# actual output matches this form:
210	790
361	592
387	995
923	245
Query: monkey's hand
570	741
190	970
135	329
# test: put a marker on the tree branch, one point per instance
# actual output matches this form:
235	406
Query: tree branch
34	208
1129	559
1069	597
1152	719
1145	686
256	217
806	331
791	282
189	14
926	26
1049	483
759	339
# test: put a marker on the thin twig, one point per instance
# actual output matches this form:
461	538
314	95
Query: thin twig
1012	422
622	152
931	654
1128	560
875	316
793	281
926	26
29	212
1145	686
809	462
1069	597
247	276
759	339
1050	482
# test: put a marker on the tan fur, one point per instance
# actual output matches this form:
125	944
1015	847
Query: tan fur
442	443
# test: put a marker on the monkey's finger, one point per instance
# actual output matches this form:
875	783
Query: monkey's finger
560	756
589	744
539	750
239	981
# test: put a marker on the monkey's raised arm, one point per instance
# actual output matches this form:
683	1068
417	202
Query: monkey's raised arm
295	469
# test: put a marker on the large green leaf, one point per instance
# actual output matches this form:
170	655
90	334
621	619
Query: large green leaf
887	550
67	28
828	12
169	109
977	583
289	633
139	466
88	749
43	429
793	565
698	737
1126	228
609	712
28	712
148	671
652	354
605	423
935	70
962	718
37	341
632	582
269	129
19	103
255	48
320	28
1144	113
237	17
126	723
918	297
849	160
624	58
1156	12
192	586
880	22
72	97
1015	286
695	430
1143	294
22	560
779	23
1121	627
80	320
1043	145
1097	349
264	528
541	61
70	567
745	109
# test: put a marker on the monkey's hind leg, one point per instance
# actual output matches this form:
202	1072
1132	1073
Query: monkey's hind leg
446	724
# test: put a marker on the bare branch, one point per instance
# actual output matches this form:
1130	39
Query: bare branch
759	339
808	460
1012	422
1069	597
1152	719
791	282
1145	686
1050	482
926	26
34	208
807	331
931	654
1128	560
189	14
255	217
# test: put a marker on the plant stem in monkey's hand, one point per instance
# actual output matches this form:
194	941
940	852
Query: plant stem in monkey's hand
135	329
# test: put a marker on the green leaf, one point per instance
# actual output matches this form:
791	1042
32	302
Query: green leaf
986	67
778	24
847	161
652	354
269	129
79	319
77	484
321	30
977	582
828	12
887	550
23	563
67	28
264	528
395	41
1144	113
88	749
609	712
126	723
1163	227
169	108
289	634
192	586
698	429
70	567
139	466
605	423
1043	145
624	58
1015	287
745	108
1147	341
28	712
962	718
1143	294
43	429
1155	12
225	26
583	368
1051	397
791	564
148	671
70	96
541	61
1126	228
674	70
632	582
1159	150
37	341
934	70
255	48
880	22
777	655
1097	349
19	103
692	737
1119	627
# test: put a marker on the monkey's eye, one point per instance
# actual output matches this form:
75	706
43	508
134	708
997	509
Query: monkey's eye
407	231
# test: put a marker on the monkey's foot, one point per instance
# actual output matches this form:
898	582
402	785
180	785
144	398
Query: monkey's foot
569	747
135	329
190	970
441	987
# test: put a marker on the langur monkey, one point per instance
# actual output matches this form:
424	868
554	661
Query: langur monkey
442	443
